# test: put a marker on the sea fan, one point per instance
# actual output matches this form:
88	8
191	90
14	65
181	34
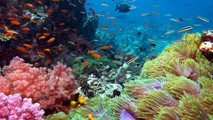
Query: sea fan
149	106
178	85
139	88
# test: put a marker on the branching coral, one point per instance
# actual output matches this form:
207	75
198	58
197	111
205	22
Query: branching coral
139	88
50	88
178	85
13	107
148	107
190	108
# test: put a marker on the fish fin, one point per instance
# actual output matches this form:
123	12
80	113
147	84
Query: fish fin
116	8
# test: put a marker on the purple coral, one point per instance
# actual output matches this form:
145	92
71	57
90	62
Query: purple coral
13	107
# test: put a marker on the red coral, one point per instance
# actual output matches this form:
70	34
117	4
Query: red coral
50	88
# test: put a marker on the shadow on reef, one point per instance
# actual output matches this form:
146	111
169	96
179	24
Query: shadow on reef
39	31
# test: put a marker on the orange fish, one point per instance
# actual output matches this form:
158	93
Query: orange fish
59	48
14	38
8	34
51	40
6	28
50	11
96	55
48	62
91	52
26	16
47	50
85	63
28	46
14	22
22	49
42	54
63	11
106	47
40	2
34	21
42	37
26	29
82	99
12	18
30	5
91	117
46	34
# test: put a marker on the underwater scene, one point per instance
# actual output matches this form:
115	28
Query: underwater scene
106	60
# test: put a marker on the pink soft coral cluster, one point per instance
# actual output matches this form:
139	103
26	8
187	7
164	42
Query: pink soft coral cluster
49	87
13	107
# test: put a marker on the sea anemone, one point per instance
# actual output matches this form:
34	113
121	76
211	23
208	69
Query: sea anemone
149	106
167	113
139	88
187	68
178	85
123	106
206	99
190	108
157	67
97	107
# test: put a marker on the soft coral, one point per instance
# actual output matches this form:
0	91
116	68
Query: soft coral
49	87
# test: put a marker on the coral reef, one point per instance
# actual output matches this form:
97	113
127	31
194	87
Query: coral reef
175	85
41	31
49	87
13	107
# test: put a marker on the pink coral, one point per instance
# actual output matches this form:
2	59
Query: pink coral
49	87
13	107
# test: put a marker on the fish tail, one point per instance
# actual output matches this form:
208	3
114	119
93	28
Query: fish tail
116	8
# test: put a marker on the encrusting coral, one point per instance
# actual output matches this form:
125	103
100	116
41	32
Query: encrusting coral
13	107
49	87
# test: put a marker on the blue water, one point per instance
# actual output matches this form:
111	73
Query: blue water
156	24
